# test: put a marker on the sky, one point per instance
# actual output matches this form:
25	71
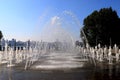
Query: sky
28	19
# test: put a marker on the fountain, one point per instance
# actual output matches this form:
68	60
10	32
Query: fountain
57	45
10	58
56	48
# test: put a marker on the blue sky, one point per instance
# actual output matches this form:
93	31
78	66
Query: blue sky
25	19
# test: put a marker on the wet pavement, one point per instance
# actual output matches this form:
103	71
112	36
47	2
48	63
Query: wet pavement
88	72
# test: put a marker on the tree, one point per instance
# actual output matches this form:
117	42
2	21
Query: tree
1	35
78	43
101	27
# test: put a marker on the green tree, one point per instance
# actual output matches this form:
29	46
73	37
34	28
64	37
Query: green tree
1	35
101	27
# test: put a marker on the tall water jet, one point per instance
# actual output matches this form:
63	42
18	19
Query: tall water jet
10	64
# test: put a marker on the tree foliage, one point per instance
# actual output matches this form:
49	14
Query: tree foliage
1	35
102	27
